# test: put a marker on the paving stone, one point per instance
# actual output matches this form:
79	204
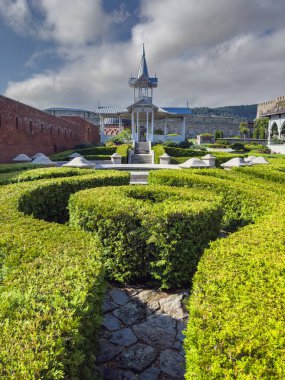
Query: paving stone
108	304
120	297
132	291
150	374
177	345
172	364
182	352
110	322
114	374
124	337
147	295
158	330
172	305
137	357
131	313
180	327
107	351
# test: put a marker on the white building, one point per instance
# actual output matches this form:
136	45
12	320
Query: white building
143	113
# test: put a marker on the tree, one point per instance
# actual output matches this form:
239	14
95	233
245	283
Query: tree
260	127
243	127
124	137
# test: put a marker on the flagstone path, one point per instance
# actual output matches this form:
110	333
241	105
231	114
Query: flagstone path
141	336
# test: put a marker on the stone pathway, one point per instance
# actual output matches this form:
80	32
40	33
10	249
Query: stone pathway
141	337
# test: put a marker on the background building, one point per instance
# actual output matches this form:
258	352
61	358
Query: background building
150	123
24	129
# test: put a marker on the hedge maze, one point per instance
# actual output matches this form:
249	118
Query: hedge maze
64	231
149	233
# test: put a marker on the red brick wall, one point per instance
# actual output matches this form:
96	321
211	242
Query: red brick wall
24	129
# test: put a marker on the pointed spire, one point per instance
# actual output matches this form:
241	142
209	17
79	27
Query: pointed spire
143	71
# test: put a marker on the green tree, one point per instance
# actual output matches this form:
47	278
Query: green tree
123	137
243	127
260	127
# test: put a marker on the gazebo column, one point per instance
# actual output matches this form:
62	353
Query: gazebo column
138	127
152	125
102	128
120	124
183	132
165	127
133	126
147	125
279	126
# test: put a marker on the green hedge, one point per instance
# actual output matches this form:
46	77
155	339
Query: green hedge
239	201
98	157
158	151
48	173
49	202
180	152
94	153
123	150
236	324
156	231
8	168
51	284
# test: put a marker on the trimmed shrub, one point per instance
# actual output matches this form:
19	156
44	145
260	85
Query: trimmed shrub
45	173
94	153
123	150
156	231
179	152
158	151
170	143
8	168
97	157
185	144
236	324
51	288
237	146
49	201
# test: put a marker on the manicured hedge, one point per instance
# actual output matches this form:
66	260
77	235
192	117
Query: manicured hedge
237	318
123	150
155	232
94	153
51	284
47	173
49	202
158	151
180	152
7	168
239	201
98	157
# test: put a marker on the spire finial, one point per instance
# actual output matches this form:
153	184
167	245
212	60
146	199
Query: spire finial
143	71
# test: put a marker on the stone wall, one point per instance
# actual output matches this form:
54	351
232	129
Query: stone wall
196	125
24	129
274	105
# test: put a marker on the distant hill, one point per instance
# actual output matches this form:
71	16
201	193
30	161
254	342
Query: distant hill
245	111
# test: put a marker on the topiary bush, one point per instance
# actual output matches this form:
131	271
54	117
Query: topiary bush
236	324
52	282
153	233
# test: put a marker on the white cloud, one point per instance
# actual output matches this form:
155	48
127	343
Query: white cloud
17	15
73	22
214	53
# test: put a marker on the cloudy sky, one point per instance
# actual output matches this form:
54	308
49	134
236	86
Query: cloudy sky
80	53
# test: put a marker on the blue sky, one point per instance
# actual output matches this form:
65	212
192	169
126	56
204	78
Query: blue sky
80	53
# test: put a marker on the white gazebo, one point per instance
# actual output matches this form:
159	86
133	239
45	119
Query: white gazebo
143	114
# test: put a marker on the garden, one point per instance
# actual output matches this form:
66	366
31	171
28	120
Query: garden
65	231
